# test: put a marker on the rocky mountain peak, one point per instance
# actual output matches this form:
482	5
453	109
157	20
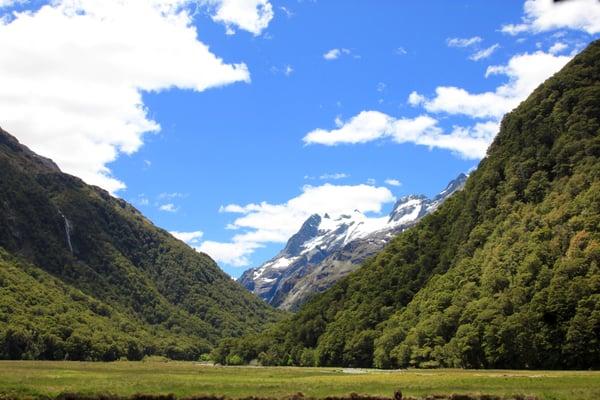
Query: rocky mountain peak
309	229
453	186
344	239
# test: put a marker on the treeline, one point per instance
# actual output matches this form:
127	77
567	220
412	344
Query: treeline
17	343
506	274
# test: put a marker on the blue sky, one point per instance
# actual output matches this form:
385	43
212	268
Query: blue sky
319	116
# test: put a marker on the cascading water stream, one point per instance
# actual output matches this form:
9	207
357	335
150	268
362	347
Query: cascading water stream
67	231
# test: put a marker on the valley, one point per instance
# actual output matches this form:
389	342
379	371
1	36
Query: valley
299	200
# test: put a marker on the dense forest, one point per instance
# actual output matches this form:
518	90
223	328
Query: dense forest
506	274
84	276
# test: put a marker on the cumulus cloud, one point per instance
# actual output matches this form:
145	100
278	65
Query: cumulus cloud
415	99
364	127
524	72
72	85
546	15
236	254
463	42
484	53
250	15
261	223
334	54
422	130
192	238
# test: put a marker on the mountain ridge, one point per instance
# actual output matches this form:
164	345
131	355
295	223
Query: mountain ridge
327	248
170	299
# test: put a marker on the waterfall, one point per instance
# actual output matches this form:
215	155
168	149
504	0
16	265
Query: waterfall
67	231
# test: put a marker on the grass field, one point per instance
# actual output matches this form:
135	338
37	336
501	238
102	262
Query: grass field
31	379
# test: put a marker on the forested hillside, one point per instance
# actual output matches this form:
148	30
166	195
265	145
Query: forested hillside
504	275
84	275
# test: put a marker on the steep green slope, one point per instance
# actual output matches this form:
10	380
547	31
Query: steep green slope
504	274
44	318
131	281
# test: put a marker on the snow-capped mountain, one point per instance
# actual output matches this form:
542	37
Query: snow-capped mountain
326	248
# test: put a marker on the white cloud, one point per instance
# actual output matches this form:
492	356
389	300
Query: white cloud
10	3
400	51
546	15
524	72
381	87
557	48
423	130
72	85
338	175
274	223
324	177
235	254
191	238
393	182
474	41
334	54
169	207
364	127
484	53
288	70
250	15
463	42
415	99
514	29
465	142
172	195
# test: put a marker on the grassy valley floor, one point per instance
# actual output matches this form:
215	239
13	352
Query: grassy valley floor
34	379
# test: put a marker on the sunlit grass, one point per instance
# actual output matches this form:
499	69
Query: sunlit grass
35	378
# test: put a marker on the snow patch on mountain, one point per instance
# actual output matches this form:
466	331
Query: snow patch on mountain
339	240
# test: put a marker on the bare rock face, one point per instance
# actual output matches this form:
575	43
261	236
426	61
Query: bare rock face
327	248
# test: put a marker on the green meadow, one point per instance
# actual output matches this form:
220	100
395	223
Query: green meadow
35	379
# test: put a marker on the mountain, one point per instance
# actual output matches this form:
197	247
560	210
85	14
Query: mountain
505	274
85	276
327	248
